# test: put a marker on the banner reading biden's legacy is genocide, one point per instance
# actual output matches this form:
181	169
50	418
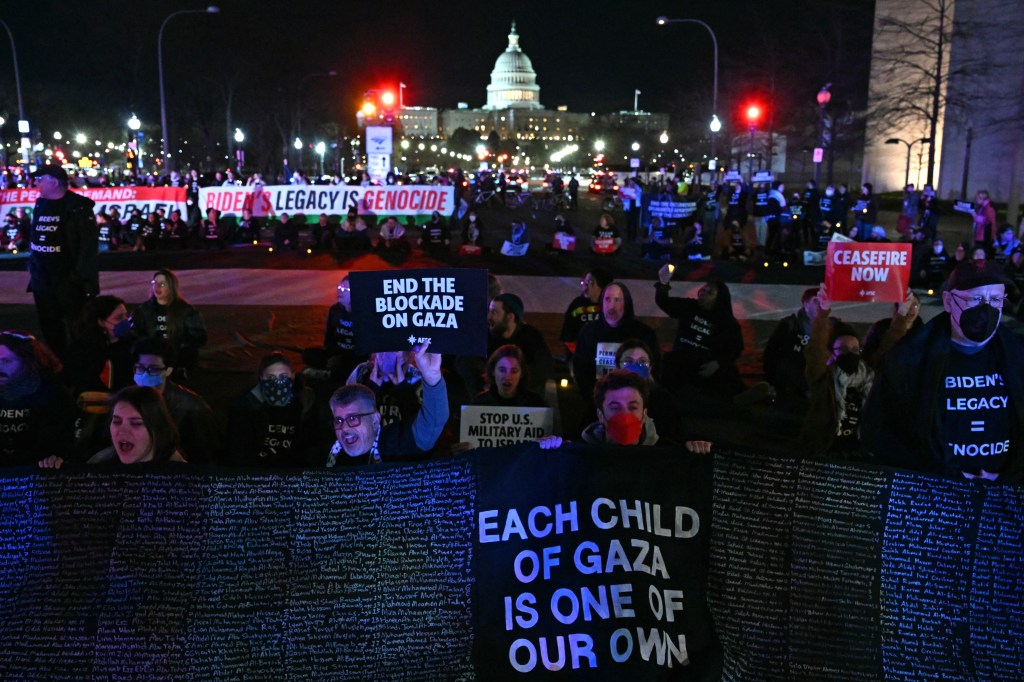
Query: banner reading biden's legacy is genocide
334	200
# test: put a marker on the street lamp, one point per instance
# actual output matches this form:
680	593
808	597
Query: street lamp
824	97
715	125
134	124
320	148
165	148
22	123
635	146
663	138
239	152
599	146
896	140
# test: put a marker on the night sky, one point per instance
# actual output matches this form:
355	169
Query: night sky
89	65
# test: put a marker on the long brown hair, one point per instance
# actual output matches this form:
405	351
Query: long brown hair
151	407
176	309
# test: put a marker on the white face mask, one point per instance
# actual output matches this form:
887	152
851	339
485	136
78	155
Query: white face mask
829	192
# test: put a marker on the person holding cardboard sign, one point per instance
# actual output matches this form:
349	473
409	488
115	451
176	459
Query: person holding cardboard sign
950	398
357	422
839	378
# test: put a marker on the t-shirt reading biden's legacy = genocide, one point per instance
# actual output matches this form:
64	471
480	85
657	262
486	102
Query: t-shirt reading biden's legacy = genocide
976	423
49	228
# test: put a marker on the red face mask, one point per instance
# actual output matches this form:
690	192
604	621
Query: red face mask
624	428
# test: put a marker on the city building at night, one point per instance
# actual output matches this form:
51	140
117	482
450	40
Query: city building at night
514	110
953	59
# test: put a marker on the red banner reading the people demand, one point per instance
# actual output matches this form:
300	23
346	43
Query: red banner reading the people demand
877	273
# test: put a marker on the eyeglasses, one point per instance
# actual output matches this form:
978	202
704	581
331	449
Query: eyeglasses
152	370
972	301
353	420
159	285
636	361
344	289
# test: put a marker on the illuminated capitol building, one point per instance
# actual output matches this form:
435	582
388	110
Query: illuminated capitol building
514	109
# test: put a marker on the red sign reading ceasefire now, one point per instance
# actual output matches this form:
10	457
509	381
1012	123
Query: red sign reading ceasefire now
867	272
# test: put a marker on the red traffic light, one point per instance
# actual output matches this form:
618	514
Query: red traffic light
753	113
387	98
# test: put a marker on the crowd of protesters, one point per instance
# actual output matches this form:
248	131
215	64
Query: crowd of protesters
109	385
113	396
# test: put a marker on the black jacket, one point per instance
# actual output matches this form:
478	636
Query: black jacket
584	362
902	424
78	241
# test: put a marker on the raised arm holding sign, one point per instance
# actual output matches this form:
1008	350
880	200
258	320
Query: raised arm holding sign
874	272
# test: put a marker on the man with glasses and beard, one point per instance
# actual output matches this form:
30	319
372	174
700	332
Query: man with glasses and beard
950	398
357	423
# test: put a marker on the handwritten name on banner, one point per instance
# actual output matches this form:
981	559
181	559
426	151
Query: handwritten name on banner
867	272
399	309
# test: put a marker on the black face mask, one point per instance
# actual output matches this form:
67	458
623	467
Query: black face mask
848	362
980	322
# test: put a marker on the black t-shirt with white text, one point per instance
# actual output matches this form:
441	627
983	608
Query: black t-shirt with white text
49	228
975	408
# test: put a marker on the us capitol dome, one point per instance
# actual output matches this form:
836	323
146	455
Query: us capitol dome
513	80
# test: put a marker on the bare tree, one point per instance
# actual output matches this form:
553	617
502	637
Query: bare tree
911	69
920	82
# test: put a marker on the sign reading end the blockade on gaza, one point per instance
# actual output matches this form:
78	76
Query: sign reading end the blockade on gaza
398	309
878	273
